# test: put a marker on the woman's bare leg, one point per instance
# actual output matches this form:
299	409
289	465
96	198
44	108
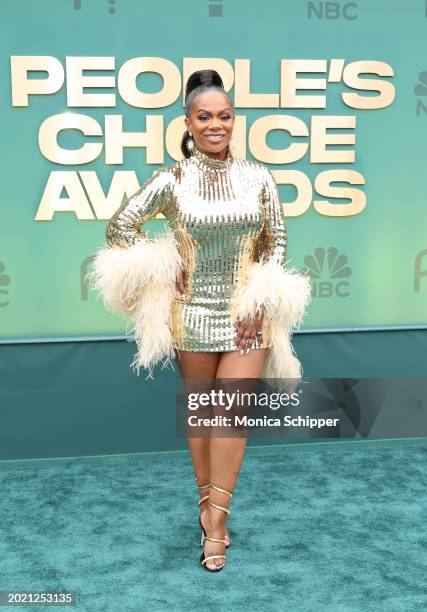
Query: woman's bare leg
199	366
226	453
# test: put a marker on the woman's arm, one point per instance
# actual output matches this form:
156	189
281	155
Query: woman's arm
280	295
130	260
123	229
273	240
271	249
136	275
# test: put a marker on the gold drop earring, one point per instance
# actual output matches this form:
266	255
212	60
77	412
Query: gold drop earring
190	144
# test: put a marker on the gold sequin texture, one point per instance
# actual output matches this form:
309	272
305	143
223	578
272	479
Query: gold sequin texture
225	215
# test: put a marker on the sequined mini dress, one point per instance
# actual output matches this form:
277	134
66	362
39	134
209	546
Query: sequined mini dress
225	215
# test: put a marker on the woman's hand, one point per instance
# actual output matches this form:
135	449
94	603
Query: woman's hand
181	282
246	331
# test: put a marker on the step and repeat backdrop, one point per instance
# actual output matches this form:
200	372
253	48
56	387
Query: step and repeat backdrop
331	96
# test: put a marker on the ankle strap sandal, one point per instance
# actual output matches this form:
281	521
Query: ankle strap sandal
220	491
205	537
203	499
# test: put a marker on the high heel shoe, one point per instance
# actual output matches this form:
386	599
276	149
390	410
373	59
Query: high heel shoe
202	529
205	537
201	500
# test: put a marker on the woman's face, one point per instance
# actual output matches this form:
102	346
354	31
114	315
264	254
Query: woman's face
211	123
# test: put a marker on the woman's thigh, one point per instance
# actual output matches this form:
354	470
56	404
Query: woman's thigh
193	364
234	365
198	371
246	372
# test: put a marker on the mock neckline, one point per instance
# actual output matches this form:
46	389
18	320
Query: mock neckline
205	161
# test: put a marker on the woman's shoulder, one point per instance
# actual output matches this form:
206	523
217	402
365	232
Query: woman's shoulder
166	174
250	164
254	169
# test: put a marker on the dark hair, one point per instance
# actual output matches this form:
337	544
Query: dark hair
199	82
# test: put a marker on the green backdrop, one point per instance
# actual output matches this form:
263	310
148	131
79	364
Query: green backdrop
381	252
66	398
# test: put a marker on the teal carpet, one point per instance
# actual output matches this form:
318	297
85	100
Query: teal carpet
320	530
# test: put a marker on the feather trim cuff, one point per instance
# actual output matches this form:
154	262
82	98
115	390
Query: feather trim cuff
138	282
283	296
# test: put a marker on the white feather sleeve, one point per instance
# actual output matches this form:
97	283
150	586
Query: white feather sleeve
281	294
135	275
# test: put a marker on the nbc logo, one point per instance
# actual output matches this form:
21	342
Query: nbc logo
327	270
4	282
420	269
420	89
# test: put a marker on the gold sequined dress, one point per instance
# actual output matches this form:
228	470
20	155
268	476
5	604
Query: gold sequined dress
226	230
225	215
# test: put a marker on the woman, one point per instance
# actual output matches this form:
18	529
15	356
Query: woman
212	292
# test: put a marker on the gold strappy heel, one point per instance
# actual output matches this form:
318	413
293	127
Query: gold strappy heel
201	500
202	529
205	537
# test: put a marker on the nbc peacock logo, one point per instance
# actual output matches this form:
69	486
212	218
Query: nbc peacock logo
420	89
328	269
4	282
